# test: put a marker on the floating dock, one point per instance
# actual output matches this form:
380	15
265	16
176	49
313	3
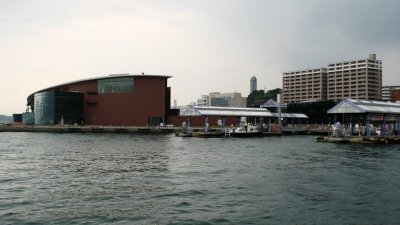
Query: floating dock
361	140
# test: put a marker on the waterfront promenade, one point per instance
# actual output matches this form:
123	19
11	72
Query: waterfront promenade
135	129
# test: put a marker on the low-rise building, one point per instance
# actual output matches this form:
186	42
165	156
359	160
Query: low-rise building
387	92
118	99
396	95
234	99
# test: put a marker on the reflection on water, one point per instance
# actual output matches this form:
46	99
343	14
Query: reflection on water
162	179
374	151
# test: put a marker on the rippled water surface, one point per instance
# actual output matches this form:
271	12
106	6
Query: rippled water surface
163	179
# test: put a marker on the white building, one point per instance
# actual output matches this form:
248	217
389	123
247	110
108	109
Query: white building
203	100
305	85
355	79
222	99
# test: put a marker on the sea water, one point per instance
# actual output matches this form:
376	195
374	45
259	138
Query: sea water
50	178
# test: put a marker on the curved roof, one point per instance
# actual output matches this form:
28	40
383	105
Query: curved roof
101	78
365	106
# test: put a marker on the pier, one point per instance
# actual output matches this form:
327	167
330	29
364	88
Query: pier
361	140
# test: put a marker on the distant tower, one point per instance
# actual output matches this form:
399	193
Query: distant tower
253	84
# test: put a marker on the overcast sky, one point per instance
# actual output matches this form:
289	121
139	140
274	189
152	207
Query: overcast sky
206	45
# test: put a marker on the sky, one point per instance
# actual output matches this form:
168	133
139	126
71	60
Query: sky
206	46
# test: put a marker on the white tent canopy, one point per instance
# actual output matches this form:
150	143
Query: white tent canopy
235	111
365	106
224	111
292	115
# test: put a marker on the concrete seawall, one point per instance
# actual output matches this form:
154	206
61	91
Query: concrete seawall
131	129
89	129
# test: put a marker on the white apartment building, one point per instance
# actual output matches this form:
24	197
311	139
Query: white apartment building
222	99
304	85
356	79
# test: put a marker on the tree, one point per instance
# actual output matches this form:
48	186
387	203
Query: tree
272	94
261	96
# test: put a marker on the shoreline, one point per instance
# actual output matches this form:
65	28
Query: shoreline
89	129
135	129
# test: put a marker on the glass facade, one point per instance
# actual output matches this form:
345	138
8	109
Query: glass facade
58	107
68	108
155	121
28	118
115	85
44	108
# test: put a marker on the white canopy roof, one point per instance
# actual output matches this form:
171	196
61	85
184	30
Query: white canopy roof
292	115
233	111
224	111
365	106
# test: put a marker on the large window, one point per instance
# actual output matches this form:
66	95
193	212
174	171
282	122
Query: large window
222	102
115	85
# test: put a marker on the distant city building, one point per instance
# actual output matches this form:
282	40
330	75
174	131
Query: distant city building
356	79
305	85
387	92
222	100
253	84
202	101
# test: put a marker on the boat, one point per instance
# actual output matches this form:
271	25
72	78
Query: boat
186	131
245	131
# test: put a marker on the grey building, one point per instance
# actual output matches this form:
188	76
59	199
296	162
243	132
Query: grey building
253	84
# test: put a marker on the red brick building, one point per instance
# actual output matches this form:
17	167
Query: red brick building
396	95
128	100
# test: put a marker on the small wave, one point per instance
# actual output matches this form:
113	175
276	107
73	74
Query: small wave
183	204
182	194
220	220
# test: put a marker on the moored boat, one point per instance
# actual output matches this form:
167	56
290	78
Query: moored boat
245	131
